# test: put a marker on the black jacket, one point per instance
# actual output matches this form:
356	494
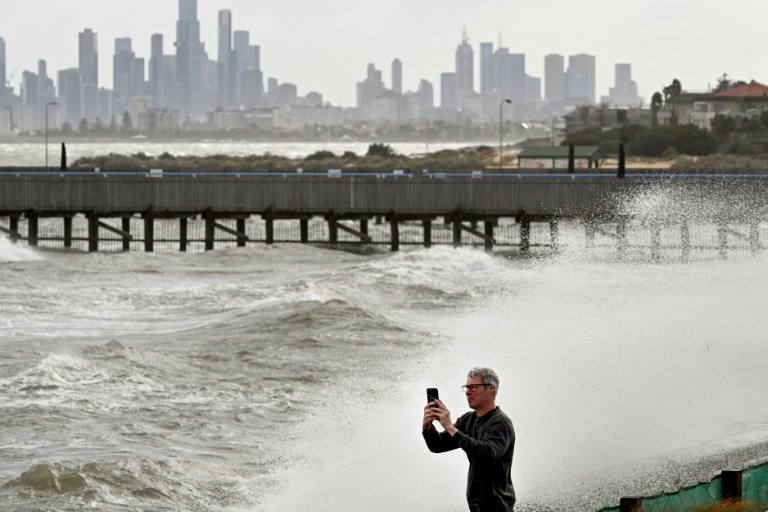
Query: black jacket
489	443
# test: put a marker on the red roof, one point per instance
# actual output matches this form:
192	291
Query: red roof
751	89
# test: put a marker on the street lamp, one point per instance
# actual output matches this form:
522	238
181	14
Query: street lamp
501	126
46	130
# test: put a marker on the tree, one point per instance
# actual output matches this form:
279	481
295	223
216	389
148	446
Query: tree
381	151
722	126
83	125
723	83
657	101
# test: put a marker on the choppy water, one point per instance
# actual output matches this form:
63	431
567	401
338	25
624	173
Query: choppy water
292	378
33	154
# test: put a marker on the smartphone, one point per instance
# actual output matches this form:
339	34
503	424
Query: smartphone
432	395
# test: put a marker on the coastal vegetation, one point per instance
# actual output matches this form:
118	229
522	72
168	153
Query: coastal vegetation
379	157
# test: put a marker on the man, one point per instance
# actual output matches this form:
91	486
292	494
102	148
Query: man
487	437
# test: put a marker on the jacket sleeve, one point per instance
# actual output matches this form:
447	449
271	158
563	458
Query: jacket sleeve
439	442
494	444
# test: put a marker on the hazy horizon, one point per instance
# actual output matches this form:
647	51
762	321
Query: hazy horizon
327	47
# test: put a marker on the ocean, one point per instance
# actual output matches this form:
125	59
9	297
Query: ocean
292	378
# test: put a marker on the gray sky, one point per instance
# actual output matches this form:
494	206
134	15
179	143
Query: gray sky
326	45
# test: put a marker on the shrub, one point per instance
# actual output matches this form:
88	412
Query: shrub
377	150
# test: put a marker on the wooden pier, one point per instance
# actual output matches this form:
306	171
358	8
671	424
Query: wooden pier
474	209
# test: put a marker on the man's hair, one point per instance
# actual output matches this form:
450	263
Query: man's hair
489	377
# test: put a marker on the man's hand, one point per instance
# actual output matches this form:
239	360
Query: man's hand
429	416
442	415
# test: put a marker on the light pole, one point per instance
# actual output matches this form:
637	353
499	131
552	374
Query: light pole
501	126
46	130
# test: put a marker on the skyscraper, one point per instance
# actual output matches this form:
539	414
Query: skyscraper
122	70
3	76
624	91
88	66
448	91
486	59
465	68
554	78
397	76
225	76
581	78
189	54
155	71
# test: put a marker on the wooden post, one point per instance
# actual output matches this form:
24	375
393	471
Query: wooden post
395	229
630	504
183	234
489	235
731	485
333	228
14	227
32	229
93	232
554	234
722	235
304	229
126	225
241	229
457	221
427	233
364	226
210	230
525	232
67	232
685	239
149	231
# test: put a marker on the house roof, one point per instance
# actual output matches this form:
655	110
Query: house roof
591	152
751	89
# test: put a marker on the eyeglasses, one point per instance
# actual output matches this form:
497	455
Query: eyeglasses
473	387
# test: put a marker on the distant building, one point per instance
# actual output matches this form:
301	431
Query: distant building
465	68
3	76
580	79
189	55
448	91
226	71
554	78
742	101
88	65
70	99
624	91
397	76
370	88
122	73
486	56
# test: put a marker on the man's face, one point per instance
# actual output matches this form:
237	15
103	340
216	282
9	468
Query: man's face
481	397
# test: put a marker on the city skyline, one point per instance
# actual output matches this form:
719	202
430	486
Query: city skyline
423	36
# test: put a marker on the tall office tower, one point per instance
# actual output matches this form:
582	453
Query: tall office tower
189	55
465	68
225	75
554	78
88	65
46	90
3	76
425	95
397	76
486	60
369	89
30	99
448	91
122	74
508	75
70	96
532	88
581	78
138	77
156	71
624	91
241	41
